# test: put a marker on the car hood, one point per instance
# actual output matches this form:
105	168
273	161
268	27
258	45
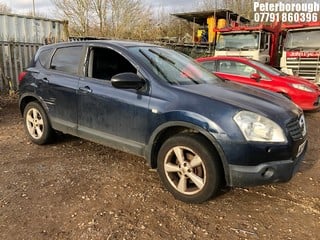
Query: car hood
245	97
298	80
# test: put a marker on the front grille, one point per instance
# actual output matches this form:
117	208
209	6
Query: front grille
297	128
306	67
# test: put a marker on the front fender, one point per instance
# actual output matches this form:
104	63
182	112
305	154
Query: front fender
188	120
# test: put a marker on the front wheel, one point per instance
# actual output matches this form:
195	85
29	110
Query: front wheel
37	124
189	168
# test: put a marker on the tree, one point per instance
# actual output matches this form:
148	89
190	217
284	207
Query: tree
100	8
205	5
242	7
127	16
108	18
77	12
4	8
170	26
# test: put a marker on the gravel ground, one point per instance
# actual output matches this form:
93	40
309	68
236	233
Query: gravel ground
75	189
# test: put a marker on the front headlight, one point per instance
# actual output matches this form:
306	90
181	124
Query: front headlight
258	128
302	87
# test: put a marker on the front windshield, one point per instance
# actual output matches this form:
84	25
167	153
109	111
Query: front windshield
303	39
268	68
173	67
238	41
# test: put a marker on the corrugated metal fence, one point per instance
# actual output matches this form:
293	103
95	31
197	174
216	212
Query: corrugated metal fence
14	57
20	37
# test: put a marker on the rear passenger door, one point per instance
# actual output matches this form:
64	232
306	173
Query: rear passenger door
115	117
61	81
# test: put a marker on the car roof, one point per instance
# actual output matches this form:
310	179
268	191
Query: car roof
119	43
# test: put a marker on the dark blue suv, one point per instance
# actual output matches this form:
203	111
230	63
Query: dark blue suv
198	131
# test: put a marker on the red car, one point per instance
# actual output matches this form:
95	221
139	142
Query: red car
243	70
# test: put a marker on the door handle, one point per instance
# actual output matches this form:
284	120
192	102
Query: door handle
45	80
85	89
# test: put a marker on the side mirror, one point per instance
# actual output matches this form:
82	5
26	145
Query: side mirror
127	80
255	76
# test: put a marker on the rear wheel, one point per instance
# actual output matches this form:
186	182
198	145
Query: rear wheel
188	168
37	124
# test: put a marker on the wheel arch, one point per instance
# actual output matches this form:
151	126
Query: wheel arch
170	129
27	98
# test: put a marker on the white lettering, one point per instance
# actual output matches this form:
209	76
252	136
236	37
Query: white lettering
271	7
281	7
287	12
288	7
296	7
255	6
316	7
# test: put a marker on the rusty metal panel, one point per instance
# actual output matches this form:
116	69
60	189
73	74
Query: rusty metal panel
19	28
14	57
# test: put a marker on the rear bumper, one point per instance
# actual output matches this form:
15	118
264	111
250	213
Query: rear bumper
270	172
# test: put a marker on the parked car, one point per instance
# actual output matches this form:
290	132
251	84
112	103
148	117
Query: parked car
198	131
251	72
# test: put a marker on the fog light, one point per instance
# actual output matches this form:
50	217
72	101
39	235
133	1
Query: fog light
268	173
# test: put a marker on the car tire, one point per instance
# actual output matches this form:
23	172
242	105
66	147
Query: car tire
188	168
37	124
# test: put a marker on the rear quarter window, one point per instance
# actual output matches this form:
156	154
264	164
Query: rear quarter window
44	58
67	59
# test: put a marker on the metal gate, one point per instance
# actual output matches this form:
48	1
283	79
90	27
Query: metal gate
14	57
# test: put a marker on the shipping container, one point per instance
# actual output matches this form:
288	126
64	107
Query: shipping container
28	29
20	37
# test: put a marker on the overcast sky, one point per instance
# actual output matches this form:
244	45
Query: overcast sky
46	6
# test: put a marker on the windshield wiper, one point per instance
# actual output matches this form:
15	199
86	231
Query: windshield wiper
314	48
155	65
294	48
161	56
248	48
171	63
226	49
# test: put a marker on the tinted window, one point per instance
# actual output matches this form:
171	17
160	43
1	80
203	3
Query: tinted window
67	59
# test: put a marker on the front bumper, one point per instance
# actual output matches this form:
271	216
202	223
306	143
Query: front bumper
264	173
307	104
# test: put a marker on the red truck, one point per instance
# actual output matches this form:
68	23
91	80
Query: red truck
294	48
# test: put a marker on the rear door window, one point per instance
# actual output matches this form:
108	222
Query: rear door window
67	59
